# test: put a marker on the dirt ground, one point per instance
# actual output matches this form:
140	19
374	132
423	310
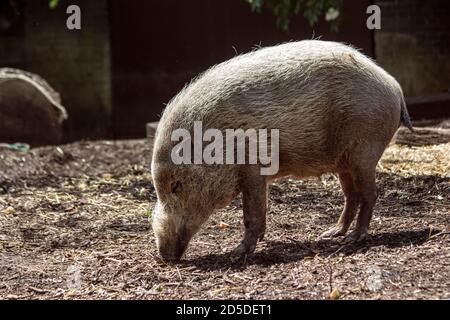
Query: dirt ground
74	225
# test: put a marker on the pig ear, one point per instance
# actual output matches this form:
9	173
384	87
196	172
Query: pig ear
176	186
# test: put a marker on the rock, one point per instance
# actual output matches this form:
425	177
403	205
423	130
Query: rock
30	109
151	132
151	129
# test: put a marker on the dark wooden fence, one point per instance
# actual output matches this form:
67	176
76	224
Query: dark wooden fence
158	46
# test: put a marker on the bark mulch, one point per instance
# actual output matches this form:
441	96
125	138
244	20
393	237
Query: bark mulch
74	225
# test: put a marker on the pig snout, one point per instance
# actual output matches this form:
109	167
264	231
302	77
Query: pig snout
173	250
172	234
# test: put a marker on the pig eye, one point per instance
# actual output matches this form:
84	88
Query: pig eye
176	187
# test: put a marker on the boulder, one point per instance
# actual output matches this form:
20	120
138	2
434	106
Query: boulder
30	109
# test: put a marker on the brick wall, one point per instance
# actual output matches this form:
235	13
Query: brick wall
75	63
414	44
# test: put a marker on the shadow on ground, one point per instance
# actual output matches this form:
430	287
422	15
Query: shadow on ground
276	252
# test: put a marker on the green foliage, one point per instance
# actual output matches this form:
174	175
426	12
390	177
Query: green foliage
312	10
148	213
53	4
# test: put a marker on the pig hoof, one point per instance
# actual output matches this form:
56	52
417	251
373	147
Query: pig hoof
237	257
336	231
356	236
241	251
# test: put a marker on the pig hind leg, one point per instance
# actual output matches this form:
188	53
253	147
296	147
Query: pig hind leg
352	200
363	173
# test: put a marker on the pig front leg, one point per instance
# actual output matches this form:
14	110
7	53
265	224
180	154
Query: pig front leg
254	198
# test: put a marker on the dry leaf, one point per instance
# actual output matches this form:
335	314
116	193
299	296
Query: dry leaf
223	225
335	294
9	210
